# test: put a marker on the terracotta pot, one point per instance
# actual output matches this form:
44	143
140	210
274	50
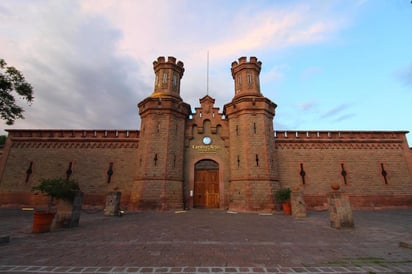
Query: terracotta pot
335	186
42	221
287	208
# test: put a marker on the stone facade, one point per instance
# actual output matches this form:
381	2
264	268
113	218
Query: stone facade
232	159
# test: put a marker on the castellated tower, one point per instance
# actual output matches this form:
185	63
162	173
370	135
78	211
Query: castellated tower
159	178
253	166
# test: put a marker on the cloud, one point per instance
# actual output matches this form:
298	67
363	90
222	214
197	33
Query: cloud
275	73
276	28
335	111
90	62
79	77
306	106
344	117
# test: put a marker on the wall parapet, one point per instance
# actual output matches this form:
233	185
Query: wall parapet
66	134
289	135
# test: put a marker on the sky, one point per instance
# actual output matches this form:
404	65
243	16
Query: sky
328	65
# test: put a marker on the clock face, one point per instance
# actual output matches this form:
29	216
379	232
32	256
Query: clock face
207	140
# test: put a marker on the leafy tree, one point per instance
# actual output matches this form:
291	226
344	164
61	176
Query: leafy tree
12	81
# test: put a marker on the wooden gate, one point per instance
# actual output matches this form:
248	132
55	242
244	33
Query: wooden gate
206	185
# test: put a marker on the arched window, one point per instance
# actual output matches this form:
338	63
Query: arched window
164	81
249	78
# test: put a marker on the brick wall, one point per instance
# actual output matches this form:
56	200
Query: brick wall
49	153
320	154
364	156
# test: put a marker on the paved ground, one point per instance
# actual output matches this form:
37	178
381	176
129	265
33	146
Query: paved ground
209	241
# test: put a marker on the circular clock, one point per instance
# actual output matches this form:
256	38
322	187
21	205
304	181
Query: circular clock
207	140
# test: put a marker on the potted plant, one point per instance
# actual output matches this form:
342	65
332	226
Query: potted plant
283	195
60	189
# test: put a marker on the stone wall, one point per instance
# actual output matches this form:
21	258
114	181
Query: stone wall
372	167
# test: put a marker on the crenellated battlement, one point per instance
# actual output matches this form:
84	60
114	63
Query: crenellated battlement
243	63
339	135
243	60
72	134
161	60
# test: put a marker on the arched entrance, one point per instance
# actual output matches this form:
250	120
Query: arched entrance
206	184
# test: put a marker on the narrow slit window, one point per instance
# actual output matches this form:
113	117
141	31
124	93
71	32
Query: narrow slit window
174	80
302	174
249	78
237	130
155	159
257	160
110	173
343	173
29	172
164	81
254	128
69	170
238	161
384	174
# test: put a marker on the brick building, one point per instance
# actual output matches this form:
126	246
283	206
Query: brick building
209	158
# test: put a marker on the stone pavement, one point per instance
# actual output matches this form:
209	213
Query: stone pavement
209	241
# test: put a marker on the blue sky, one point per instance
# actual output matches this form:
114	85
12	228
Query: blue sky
328	65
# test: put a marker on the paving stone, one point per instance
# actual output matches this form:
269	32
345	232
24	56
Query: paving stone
90	269
258	269
205	240
299	269
62	269
272	269
230	269
76	269
162	270
105	269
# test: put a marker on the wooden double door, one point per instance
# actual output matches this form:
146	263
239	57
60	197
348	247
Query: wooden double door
206	187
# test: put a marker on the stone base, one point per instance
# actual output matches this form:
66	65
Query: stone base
68	213
340	211
113	204
298	204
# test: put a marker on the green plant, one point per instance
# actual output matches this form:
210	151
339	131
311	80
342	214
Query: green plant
58	188
283	194
12	83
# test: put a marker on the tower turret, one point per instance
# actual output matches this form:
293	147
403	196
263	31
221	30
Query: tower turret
246	76
167	76
253	171
159	173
